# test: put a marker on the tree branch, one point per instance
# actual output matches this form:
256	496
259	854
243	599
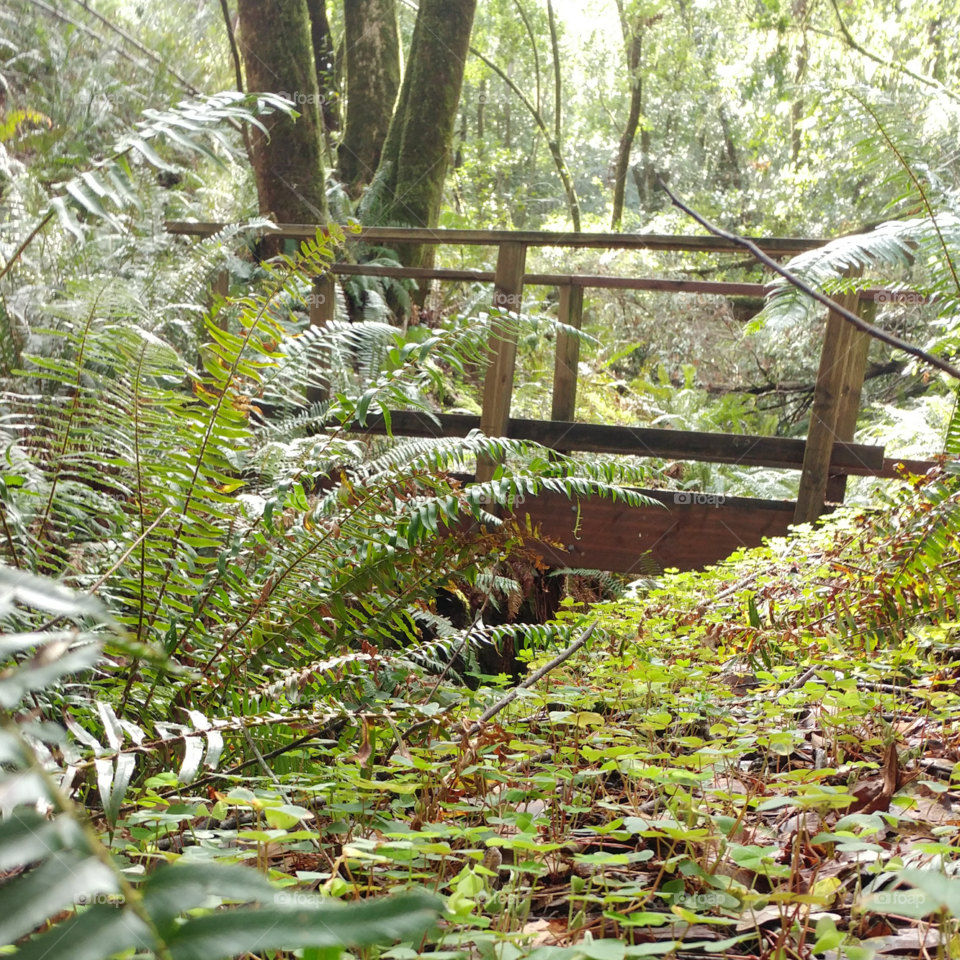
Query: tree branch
493	710
572	201
146	51
863	51
832	305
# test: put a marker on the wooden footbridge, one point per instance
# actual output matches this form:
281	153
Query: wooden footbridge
695	529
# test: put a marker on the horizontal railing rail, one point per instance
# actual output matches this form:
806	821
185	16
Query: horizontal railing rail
784	453
786	246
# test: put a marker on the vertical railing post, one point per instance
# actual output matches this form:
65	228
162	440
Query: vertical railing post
323	306
849	410
220	289
567	359
834	391
498	382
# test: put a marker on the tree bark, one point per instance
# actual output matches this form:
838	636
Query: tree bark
420	139
634	57
373	79
325	59
278	53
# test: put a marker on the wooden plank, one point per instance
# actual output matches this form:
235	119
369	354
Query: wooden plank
567	356
850	396
498	380
323	308
532	238
780	452
411	273
711	287
831	384
892	465
717	288
220	288
600	534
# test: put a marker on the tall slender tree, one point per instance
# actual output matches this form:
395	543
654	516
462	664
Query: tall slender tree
419	143
325	58
373	79
278	56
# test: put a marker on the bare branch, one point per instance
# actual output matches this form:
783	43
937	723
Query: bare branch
899	67
847	315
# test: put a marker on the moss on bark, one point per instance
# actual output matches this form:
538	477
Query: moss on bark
278	55
420	140
373	79
325	58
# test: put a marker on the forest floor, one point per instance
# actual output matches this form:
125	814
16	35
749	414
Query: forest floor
756	761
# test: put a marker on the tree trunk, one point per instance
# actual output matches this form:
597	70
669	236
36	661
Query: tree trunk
373	79
797	111
730	149
419	143
278	52
634	56
324	56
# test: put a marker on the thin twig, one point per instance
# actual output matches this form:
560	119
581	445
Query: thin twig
832	305
133	546
916	182
493	710
573	201
83	28
557	89
146	51
533	47
723	594
235	53
334	727
26	243
9	536
863	51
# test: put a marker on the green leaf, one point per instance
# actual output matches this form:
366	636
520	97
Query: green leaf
602	949
54	886
360	924
126	763
286	816
175	889
26	837
66	218
97	933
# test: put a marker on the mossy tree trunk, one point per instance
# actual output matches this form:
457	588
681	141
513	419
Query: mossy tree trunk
278	55
373	79
419	143
325	58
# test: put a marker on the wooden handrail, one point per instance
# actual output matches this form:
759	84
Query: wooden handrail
784	453
775	246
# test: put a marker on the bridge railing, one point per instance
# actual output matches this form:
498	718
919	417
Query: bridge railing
826	458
